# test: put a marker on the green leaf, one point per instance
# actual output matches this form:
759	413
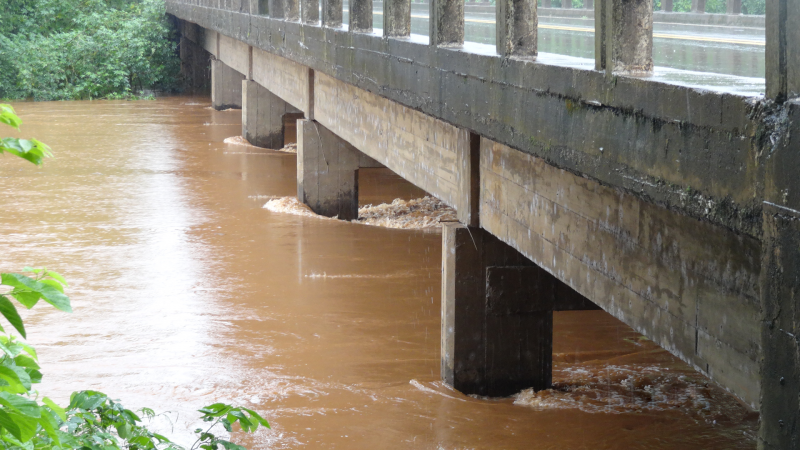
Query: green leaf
56	409
258	418
24	406
48	293
124	430
230	445
26	361
21	427
9	311
14	384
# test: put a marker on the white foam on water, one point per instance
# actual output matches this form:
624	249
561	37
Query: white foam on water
420	213
241	141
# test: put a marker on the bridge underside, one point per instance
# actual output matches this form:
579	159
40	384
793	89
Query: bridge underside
672	247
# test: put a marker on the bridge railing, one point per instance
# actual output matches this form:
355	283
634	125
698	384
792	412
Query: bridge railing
623	31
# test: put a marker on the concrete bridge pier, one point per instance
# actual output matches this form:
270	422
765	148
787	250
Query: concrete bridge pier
263	115
327	171
497	315
226	86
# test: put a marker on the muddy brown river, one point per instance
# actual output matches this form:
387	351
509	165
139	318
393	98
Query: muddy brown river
187	291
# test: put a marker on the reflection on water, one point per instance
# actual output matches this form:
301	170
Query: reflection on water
187	291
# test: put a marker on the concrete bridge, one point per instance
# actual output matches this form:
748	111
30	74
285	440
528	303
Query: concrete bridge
673	208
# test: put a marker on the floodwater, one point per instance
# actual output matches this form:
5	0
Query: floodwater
187	291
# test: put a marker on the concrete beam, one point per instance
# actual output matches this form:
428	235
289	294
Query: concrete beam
446	23
309	11
360	16
516	28
263	116
396	18
783	49
332	13
226	86
624	36
327	172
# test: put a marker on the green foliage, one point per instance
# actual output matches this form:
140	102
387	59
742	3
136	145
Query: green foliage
29	149
80	49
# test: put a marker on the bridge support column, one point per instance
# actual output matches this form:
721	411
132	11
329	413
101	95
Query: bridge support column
195	63
780	293
327	171
624	36
226	86
497	319
262	116
516	28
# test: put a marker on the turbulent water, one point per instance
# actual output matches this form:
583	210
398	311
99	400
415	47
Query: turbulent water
187	291
419	213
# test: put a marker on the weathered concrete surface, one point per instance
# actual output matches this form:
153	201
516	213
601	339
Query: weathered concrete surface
497	315
284	78
332	13
263	116
396	18
446	23
360	16
699	6
309	11
690	286
733	7
226	86
625	31
697	156
466	254
783	49
392	134
327	172
516	25
780	371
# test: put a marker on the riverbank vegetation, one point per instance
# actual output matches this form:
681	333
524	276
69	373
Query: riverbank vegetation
83	49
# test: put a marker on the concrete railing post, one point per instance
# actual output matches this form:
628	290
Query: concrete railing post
276	9
734	7
783	49
447	23
516	28
666	5
332	13
546	3
396	18
360	13
624	36
309	11
699	6
588	4
566	4
291	10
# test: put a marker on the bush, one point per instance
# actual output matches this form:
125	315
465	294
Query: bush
82	49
